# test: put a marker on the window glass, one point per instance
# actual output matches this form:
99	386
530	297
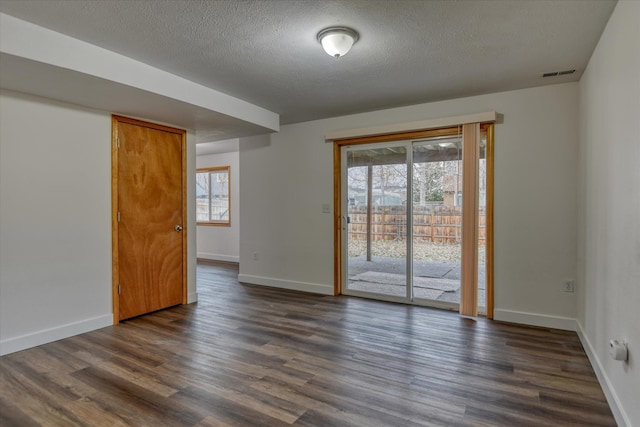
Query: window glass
212	196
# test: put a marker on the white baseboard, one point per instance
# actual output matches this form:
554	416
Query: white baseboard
34	339
535	319
192	297
218	257
612	398
286	284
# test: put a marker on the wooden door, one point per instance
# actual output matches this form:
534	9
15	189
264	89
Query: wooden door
149	218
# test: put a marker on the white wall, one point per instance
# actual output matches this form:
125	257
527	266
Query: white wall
609	220
286	177
192	295
55	220
222	243
55	217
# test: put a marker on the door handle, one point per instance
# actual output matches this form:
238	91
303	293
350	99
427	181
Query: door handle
178	228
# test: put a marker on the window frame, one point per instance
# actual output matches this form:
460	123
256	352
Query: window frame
210	171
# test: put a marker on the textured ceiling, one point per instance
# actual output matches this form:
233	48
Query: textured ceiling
410	51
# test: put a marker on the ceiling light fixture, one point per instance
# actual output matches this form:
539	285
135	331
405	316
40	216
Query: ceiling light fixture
337	41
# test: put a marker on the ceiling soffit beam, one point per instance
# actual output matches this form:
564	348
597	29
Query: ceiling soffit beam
29	41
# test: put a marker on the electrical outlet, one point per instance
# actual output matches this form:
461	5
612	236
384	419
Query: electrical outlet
568	285
255	256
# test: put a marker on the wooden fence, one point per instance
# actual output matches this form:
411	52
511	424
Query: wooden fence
440	224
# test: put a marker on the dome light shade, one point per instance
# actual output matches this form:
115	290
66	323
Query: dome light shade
337	41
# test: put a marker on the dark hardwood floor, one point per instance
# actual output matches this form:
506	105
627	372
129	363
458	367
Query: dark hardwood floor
250	356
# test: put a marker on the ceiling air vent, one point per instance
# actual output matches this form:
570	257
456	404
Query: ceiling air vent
558	73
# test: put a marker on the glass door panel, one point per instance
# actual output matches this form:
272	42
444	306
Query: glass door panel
376	244
437	220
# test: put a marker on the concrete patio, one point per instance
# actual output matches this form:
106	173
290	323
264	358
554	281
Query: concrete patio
433	280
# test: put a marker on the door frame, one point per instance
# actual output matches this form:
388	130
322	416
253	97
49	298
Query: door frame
115	269
340	223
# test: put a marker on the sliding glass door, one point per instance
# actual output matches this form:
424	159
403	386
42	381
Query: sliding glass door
375	204
437	220
403	223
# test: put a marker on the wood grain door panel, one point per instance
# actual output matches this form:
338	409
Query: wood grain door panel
150	207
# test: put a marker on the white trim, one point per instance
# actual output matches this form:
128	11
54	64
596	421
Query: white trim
489	116
45	336
219	257
286	284
609	392
192	297
535	319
